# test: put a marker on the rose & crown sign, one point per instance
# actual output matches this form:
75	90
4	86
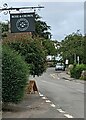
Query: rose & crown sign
22	22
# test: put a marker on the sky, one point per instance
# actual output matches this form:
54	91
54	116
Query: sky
64	16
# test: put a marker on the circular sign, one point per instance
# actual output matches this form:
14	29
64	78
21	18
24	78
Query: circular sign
22	24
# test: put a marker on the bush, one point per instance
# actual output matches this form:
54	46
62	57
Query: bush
14	76
70	67
77	70
83	75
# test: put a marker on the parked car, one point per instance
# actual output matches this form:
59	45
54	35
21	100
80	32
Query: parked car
60	66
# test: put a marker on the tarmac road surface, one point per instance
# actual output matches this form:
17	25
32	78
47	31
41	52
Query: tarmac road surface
67	96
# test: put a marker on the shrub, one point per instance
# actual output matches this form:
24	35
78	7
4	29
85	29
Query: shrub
77	70
83	75
70	67
14	76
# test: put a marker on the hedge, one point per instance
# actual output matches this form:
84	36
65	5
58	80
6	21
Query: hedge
14	76
77	70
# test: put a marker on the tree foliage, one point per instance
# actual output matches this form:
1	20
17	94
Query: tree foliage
4	29
49	46
41	28
73	46
33	52
84	60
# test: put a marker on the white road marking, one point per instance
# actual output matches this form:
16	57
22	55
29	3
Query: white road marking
41	95
48	101
52	75
61	111
68	116
67	80
52	105
44	98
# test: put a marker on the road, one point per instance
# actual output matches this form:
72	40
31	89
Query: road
67	96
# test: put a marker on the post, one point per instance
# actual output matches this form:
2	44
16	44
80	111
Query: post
9	27
66	62
75	58
78	59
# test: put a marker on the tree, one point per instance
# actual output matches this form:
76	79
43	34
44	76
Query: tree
49	46
41	28
33	52
4	29
72	46
84	60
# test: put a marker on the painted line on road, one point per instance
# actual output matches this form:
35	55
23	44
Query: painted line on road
67	80
41	95
61	111
48	101
53	75
44	98
68	116
52	105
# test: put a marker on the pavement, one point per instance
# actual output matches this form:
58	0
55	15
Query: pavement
66	76
32	106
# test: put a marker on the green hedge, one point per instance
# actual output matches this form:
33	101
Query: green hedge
14	76
77	70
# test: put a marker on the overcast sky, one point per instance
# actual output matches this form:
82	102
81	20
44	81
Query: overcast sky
64	17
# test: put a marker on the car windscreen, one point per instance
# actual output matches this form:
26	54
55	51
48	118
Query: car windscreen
59	64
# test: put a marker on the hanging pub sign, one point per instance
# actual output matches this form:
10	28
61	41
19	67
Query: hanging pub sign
22	22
